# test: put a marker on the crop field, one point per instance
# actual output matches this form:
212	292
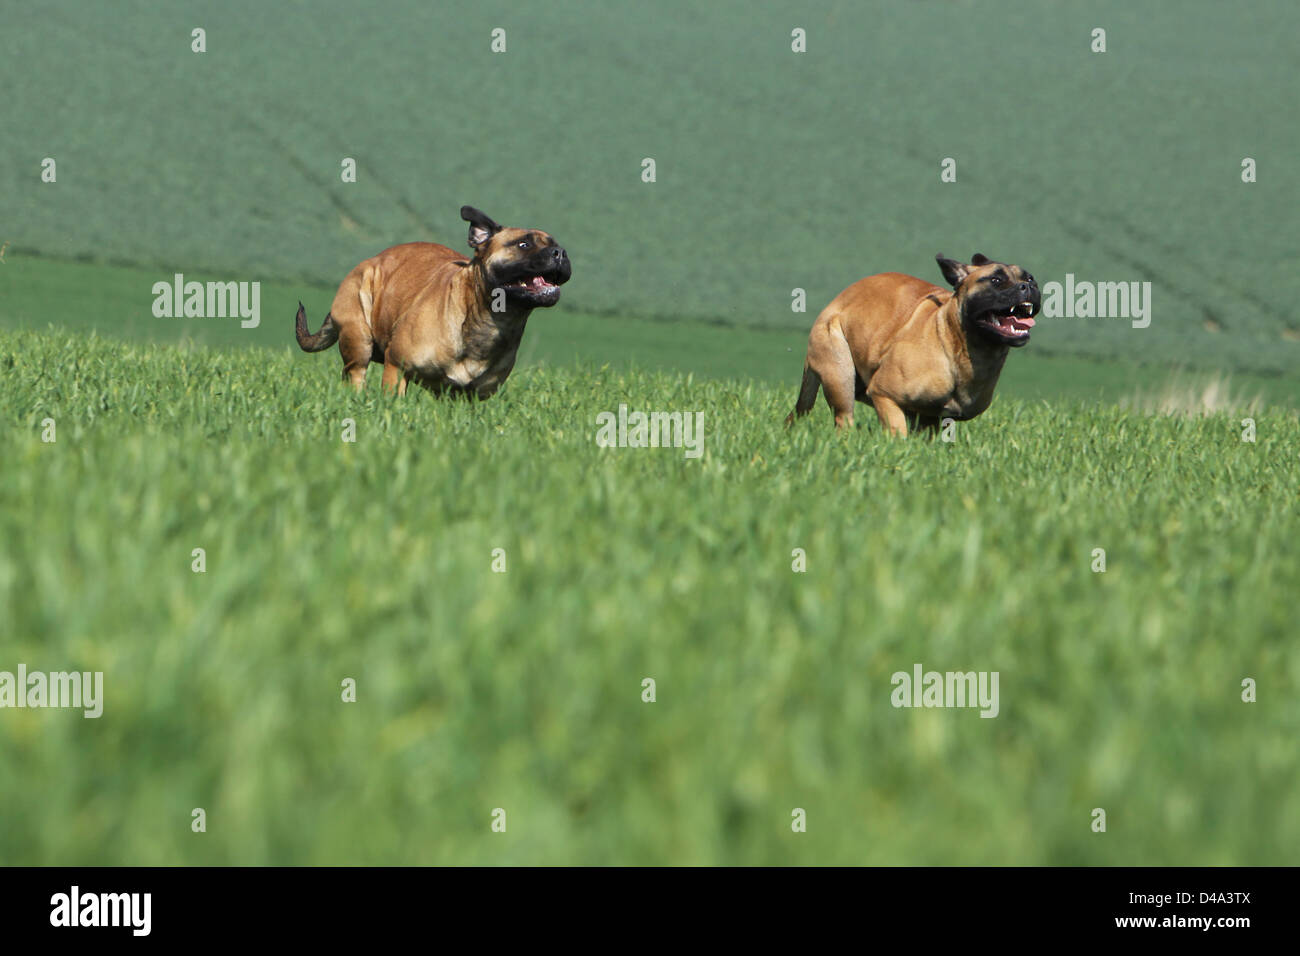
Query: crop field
774	170
353	629
522	689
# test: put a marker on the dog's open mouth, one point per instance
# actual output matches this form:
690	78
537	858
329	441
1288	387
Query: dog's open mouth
1012	325
535	289
536	284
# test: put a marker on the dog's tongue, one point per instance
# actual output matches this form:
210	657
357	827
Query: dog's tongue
1015	322
539	283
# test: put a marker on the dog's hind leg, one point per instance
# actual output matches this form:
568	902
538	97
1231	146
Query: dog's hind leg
356	349
839	396
834	362
352	308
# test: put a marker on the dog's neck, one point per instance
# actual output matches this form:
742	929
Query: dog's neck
964	341
485	329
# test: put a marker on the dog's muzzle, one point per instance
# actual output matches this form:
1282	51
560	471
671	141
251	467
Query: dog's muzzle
538	281
1011	319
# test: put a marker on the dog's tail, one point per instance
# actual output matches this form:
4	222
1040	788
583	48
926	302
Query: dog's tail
812	382
327	336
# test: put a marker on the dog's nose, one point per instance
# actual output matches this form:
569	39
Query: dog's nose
1025	288
558	253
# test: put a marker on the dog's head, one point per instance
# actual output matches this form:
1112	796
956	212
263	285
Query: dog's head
527	263
997	301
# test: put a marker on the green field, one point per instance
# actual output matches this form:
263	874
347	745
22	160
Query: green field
775	170
372	559
522	690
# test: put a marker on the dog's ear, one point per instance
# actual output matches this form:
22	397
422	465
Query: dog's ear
979	259
481	226
953	270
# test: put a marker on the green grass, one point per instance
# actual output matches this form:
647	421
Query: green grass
477	690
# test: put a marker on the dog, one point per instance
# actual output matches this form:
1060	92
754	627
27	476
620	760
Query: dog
914	350
449	323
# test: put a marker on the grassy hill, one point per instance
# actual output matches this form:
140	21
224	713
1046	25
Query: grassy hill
775	169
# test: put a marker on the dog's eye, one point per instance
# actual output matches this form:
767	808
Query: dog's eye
995	280
525	244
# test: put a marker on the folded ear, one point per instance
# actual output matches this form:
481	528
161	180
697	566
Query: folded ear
979	259
481	226
953	270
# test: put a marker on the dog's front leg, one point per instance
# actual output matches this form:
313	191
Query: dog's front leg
927	425
890	414
394	379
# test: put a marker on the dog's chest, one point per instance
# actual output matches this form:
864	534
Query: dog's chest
485	356
481	373
965	403
973	390
466	373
